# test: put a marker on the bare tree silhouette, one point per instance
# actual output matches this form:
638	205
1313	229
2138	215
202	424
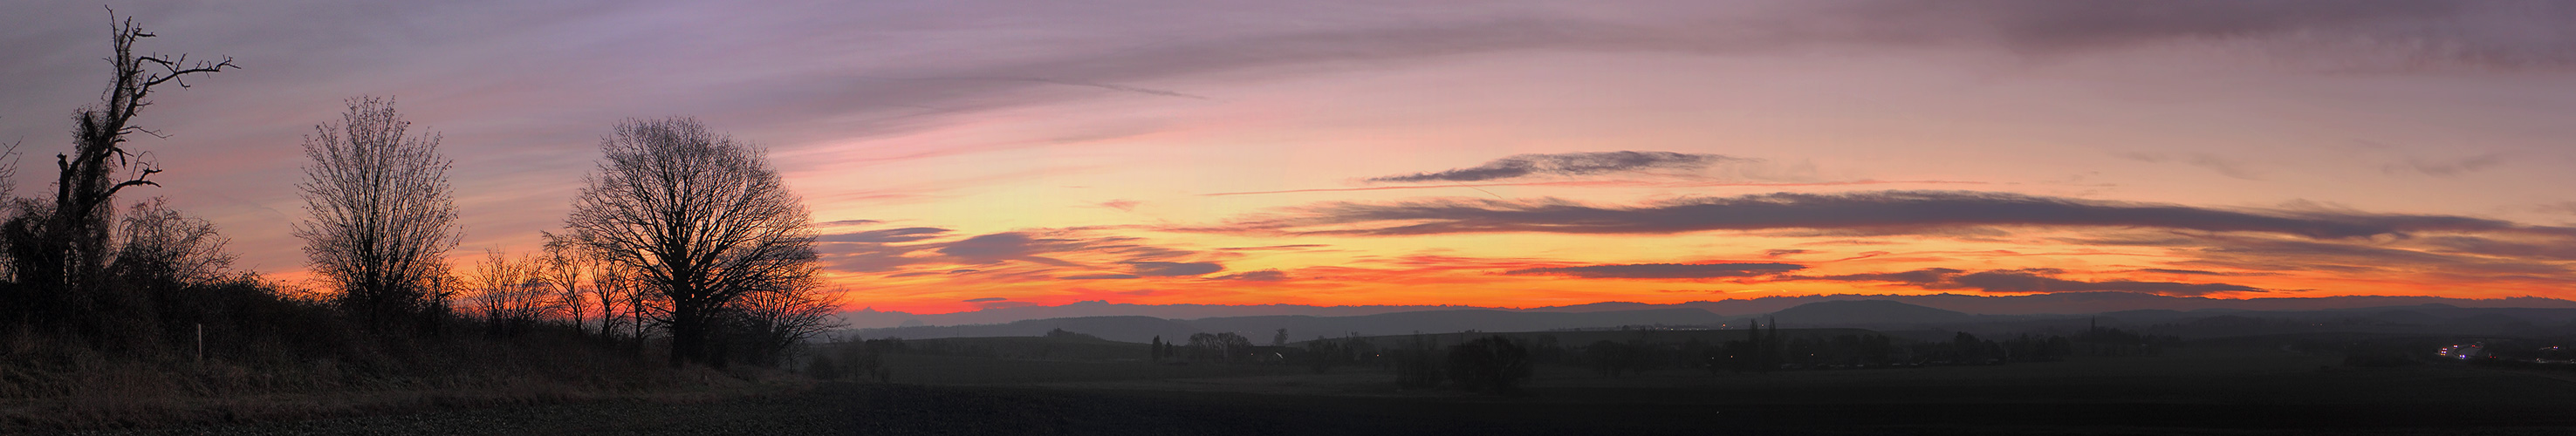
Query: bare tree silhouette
169	249
60	248
606	293
774	323
614	289
563	269
511	293
382	212
700	219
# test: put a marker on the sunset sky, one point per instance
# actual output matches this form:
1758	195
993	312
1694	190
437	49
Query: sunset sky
969	154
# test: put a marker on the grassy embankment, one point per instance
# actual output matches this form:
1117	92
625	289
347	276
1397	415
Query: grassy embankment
298	360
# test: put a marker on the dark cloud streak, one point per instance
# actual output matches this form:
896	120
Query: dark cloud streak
1664	270
907	234
1564	164
1882	212
2025	281
1172	269
1267	275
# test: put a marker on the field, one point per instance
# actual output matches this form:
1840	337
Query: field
2244	389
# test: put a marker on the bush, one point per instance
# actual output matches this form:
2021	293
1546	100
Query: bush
1416	367
1494	363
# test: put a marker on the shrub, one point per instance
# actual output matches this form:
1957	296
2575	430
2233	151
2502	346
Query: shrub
1494	363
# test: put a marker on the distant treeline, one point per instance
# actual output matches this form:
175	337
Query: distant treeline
1423	361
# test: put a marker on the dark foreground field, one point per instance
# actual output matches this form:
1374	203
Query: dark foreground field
2197	392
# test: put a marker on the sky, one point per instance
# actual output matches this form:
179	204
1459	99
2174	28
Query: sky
959	155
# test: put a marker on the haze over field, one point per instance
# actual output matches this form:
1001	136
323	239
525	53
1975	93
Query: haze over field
997	154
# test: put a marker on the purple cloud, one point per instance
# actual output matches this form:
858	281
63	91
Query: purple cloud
907	234
1564	164
1267	275
1169	269
1664	270
2026	281
1873	213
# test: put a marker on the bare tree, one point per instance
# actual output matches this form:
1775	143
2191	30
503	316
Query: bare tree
10	229
563	269
510	293
700	219
383	214
9	170
611	289
775	323
158	245
64	245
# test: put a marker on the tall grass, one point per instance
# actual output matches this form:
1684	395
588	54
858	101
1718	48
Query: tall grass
271	355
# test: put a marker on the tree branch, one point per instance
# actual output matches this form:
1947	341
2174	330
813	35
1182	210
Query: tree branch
138	181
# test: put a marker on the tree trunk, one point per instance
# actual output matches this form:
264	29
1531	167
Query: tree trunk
688	335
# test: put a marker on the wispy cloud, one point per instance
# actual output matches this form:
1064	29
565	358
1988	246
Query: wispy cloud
1617	184
1288	247
2373	34
2025	281
1882	212
2223	166
1664	270
1563	164
907	234
2446	167
1008	246
1171	269
2188	272
1267	275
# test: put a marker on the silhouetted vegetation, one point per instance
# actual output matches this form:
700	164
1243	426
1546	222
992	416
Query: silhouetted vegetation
1614	358
686	245
1218	347
1417	365
1324	354
700	219
143	302
1493	363
62	247
381	213
845	358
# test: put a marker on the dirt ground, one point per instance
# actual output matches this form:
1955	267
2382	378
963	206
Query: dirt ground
2186	392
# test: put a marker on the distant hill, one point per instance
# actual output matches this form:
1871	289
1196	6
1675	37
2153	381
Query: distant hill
1115	328
1893	317
2064	303
1444	321
872	318
1032	347
1865	312
1261	329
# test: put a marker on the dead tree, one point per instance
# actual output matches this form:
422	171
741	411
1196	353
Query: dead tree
382	213
60	248
698	218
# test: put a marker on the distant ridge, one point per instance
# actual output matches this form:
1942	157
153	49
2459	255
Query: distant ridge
2058	303
1865	312
871	318
1302	327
